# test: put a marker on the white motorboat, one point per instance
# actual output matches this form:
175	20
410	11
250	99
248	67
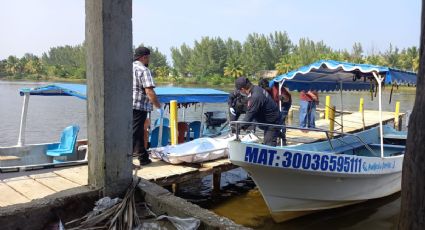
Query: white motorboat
322	175
300	179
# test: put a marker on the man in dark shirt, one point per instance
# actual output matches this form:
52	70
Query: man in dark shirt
261	108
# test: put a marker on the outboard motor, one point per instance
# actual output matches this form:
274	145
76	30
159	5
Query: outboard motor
215	119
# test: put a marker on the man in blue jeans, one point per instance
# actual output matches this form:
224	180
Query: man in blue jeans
308	102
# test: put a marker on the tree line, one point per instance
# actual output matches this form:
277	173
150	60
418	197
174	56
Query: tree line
213	58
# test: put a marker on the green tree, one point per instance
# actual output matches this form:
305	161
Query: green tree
391	57
280	44
257	54
162	71
287	63
357	53
14	66
234	68
181	57
208	57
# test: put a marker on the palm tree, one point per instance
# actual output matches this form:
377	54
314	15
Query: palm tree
13	65
234	68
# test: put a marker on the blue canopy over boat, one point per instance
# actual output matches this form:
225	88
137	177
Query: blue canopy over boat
76	90
329	75
165	94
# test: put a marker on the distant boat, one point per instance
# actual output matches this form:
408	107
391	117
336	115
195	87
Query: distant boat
299	179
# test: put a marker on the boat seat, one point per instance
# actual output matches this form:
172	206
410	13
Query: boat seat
165	122
195	128
183	129
67	143
155	136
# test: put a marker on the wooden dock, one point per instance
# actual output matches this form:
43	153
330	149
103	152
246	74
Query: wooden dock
32	185
18	188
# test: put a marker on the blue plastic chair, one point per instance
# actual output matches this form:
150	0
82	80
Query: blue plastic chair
165	122
67	142
155	136
195	128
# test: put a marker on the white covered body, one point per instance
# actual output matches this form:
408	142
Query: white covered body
196	151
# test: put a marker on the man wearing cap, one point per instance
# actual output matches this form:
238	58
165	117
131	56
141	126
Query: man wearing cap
143	98
262	109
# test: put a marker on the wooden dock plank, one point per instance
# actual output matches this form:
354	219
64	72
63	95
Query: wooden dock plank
54	181
78	175
28	187
160	169
9	196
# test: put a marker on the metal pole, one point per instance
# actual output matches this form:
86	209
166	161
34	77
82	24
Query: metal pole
161	123
23	125
280	94
202	120
381	130
280	107
184	114
342	108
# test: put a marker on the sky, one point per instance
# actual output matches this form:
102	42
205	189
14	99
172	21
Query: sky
30	26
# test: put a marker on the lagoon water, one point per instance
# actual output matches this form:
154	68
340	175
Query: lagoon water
47	116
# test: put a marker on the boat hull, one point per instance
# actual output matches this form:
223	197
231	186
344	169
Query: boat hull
292	180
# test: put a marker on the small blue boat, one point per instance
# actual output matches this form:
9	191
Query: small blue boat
69	150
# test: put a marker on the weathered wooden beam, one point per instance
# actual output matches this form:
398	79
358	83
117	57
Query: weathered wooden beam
216	183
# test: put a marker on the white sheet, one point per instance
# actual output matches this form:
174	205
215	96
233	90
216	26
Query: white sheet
196	151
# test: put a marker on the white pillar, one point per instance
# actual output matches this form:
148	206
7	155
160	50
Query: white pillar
23	125
202	120
381	130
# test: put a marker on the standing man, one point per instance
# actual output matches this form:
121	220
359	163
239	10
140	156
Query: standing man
262	109
143	98
308	102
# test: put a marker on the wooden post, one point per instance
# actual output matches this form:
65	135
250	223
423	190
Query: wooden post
109	94
290	116
397	116
216	182
327	106
332	120
175	188
173	121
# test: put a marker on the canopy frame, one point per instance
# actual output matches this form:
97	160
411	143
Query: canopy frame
319	70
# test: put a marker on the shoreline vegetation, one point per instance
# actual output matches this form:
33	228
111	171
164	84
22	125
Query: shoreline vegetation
211	60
